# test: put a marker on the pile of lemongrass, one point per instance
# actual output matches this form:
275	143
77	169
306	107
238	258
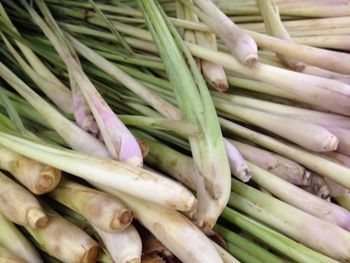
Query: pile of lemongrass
147	108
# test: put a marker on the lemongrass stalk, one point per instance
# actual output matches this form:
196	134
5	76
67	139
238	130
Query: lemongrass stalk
321	32
339	42
284	168
311	161
61	98
239	43
307	69
134	42
308	135
39	178
169	227
6	256
162	106
182	167
82	112
73	135
112	28
310	55
104	211
124	246
225	256
121	145
207	148
213	73
172	162
41	69
52	136
19	205
286	246
300	10
180	13
29	113
317	234
315	71
274	26
181	127
14	117
238	166
293	87
247	245
143	109
125	10
242	254
330	2
189	35
64	241
343	136
12	239
139	61
296	25
331	94
132	180
301	199
341	158
253	85
6	123
313	116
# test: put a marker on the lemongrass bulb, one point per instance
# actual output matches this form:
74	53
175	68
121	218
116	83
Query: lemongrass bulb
39	178
240	43
14	240
133	180
100	209
238	166
124	246
19	205
343	136
65	241
170	227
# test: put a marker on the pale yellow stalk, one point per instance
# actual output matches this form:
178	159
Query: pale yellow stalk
39	178
19	205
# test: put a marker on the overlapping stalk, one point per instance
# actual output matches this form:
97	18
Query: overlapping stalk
207	148
276	164
151	186
42	72
119	141
275	105
106	212
318	234
75	137
241	45
65	241
20	206
12	239
37	177
274	27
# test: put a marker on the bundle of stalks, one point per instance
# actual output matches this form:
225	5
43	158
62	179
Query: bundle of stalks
88	82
